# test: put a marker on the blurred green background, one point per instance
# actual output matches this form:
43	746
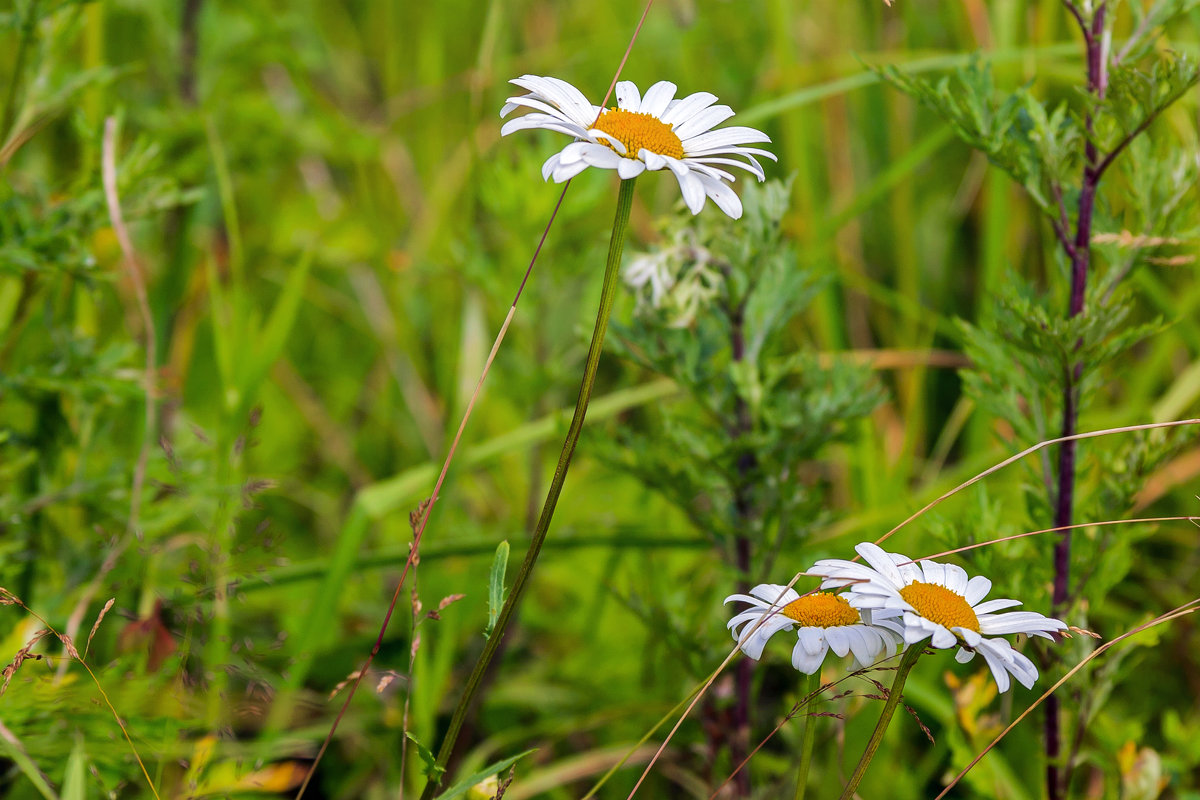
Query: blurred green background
331	232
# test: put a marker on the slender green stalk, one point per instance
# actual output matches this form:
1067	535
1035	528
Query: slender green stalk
810	686
28	28
607	294
885	717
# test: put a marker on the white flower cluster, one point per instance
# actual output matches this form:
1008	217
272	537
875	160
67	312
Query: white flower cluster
891	600
678	280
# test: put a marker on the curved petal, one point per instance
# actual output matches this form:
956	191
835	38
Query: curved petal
702	122
994	605
1020	622
630	168
558	92
977	588
864	646
725	197
808	664
775	594
628	96
970	637
726	137
680	111
838	640
657	98
956	578
544	122
813	640
881	561
943	638
934	572
754	168
653	160
689	185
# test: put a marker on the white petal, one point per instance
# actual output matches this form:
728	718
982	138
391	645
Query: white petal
865	648
653	160
657	98
558	92
579	151
994	605
977	589
542	122
741	598
753	168
689	185
839	641
630	168
969	636
964	655
775	593
601	156
680	111
1020	622
595	134
729	151
565	172
875	555
808	664
703	122
628	97
934	572
956	578
943	638
725	198
813	640
726	137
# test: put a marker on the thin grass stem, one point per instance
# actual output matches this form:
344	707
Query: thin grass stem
607	296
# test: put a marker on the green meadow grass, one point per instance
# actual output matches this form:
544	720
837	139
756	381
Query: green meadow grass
332	231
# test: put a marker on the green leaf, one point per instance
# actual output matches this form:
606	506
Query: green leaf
74	783
496	591
431	769
461	788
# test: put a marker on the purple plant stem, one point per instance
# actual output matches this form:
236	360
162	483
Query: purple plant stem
1080	255
743	506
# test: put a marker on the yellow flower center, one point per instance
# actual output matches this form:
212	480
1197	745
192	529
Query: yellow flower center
940	605
636	130
821	610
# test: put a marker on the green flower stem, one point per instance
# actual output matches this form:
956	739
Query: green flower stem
607	294
906	664
809	688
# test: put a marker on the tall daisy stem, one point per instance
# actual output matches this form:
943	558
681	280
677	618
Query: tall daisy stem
885	718
810	686
607	295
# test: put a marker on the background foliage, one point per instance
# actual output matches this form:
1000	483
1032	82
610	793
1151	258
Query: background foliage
331	232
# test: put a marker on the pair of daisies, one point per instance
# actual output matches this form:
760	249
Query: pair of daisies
891	600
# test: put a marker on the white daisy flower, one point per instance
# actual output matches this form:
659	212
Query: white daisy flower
825	621
654	131
938	602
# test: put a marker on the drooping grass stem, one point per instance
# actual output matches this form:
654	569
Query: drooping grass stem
885	717
607	295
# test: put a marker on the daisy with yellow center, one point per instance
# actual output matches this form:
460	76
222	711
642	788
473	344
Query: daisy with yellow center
937	602
825	622
651	132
